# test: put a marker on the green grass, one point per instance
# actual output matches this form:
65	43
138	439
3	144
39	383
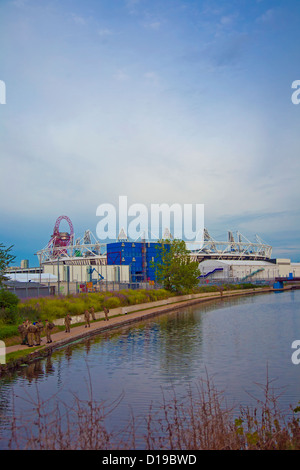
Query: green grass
14	356
7	331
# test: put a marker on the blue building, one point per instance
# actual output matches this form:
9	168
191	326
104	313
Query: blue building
138	255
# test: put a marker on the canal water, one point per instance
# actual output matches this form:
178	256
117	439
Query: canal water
235	342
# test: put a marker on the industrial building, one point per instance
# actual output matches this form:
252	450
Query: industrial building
139	256
81	262
238	270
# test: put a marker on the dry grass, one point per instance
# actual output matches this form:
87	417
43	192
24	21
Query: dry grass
200	421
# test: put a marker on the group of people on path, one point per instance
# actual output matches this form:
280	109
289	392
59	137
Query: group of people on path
91	312
31	331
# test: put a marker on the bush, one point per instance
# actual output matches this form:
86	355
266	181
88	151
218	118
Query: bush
7	331
112	302
28	311
8	299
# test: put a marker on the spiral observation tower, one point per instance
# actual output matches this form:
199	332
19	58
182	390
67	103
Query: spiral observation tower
60	241
64	246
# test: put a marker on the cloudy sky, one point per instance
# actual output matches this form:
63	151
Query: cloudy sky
163	101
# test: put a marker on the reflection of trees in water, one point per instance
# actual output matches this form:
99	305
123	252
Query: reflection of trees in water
174	337
167	339
32	373
37	369
180	337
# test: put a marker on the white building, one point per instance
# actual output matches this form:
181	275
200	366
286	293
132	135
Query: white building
287	268
86	272
247	270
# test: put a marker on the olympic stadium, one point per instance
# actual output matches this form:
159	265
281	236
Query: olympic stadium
85	260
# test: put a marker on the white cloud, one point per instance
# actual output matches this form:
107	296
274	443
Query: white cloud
228	20
105	32
267	17
155	25
121	76
19	3
79	20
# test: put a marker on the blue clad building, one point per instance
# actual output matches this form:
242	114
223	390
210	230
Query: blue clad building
139	256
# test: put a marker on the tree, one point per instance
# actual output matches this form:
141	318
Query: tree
5	259
174	268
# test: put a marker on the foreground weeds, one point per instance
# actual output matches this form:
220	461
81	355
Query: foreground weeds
200	421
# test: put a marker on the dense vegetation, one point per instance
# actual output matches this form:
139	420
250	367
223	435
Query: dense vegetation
174	268
13	311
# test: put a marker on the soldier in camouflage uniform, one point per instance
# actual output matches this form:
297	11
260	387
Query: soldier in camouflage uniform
68	320
92	311
39	328
48	328
31	331
106	312
87	318
23	331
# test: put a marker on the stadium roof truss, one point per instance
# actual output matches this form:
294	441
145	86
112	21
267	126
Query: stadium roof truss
88	250
230	249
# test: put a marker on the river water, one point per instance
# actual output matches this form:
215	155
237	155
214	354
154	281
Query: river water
236	342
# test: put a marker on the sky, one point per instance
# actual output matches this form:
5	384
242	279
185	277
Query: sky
161	101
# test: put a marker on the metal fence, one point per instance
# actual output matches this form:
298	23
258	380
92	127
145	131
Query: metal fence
27	290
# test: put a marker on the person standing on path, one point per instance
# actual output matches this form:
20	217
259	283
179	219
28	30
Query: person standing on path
106	312
39	327
92	310
23	331
48	329
31	330
68	320
87	318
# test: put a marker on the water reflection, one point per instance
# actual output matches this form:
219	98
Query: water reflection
232	340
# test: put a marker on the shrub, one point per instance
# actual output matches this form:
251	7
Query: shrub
8	299
28	311
7	331
112	302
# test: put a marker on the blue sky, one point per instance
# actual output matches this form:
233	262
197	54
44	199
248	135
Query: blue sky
164	101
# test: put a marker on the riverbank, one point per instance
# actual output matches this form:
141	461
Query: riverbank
17	355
